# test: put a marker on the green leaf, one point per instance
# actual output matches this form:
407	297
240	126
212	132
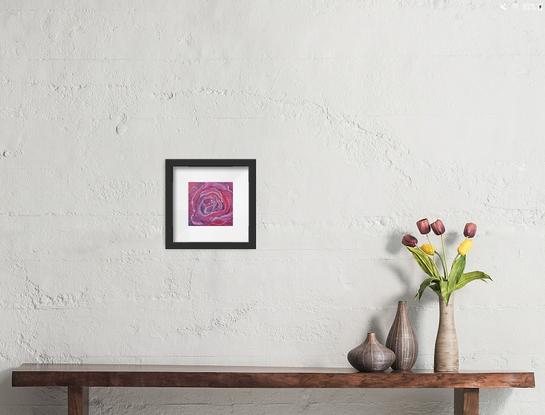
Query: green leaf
456	272
471	276
425	262
425	284
443	286
435	287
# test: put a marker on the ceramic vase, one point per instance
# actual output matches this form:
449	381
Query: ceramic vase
371	356
446	345
402	340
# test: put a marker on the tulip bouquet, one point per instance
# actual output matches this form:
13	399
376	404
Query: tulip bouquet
443	285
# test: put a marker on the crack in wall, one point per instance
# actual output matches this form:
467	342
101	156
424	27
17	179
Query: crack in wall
221	322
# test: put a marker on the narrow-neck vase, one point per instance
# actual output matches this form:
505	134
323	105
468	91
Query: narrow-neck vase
402	340
446	357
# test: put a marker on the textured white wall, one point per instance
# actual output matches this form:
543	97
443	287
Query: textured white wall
364	116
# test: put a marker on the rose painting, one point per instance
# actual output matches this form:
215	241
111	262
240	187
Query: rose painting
210	204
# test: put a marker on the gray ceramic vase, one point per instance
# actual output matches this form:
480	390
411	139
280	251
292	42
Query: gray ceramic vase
402	340
371	356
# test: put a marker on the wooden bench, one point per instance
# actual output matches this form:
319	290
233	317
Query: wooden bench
79	378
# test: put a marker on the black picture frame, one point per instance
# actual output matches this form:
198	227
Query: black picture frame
178	235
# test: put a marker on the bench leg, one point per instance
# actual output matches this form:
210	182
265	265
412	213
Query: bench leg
78	401
466	401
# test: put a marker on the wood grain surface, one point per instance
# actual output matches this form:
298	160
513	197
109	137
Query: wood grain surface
255	377
78	401
466	401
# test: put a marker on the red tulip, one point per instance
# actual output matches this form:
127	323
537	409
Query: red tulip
470	230
437	227
423	226
409	240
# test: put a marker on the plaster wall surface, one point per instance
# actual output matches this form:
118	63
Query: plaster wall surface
364	116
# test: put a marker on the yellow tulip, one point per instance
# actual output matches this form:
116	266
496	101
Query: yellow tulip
465	247
428	249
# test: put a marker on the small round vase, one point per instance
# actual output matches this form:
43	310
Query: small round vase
371	356
402	340
446	345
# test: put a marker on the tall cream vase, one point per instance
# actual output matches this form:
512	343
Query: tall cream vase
446	345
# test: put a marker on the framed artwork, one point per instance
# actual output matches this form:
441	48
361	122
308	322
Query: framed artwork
210	204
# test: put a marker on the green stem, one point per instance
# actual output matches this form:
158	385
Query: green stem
443	264
445	255
439	255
